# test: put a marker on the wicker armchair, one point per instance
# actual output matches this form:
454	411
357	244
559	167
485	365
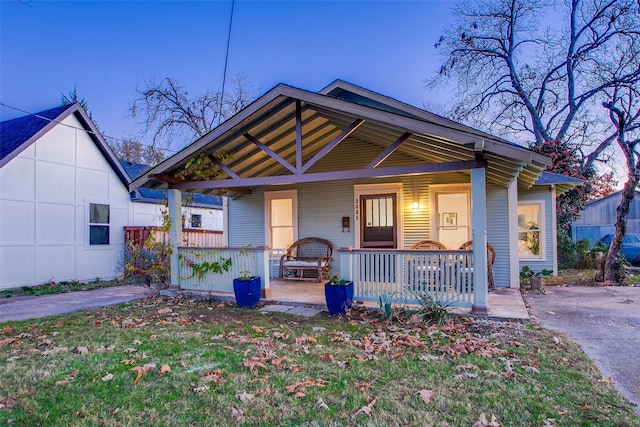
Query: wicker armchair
311	255
429	245
491	258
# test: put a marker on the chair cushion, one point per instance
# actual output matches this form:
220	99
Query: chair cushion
299	264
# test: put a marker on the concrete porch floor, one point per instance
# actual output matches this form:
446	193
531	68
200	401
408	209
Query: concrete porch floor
504	303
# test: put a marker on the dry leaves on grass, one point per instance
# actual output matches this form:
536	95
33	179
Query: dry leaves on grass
245	397
253	363
213	376
299	388
8	341
472	345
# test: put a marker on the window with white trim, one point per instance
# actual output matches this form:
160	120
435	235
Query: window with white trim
98	224
196	221
530	230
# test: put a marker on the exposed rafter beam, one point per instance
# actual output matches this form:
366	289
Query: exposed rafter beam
332	176
270	152
298	137
222	166
331	145
390	150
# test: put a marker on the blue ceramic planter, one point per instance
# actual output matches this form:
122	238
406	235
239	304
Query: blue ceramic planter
247	292
339	298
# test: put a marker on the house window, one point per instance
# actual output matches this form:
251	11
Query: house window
530	230
281	214
196	221
98	224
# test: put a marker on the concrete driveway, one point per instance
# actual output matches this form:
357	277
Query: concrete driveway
605	321
22	308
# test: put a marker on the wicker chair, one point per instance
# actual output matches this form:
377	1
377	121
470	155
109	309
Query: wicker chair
491	258
311	255
429	245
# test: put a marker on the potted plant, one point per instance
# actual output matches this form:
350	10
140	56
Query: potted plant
339	295
536	279
247	289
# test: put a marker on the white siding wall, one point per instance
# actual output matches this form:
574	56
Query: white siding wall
44	211
536	194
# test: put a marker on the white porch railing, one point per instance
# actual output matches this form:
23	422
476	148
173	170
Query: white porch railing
255	261
404	275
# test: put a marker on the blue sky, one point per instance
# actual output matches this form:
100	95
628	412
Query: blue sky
107	49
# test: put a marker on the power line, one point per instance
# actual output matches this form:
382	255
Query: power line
226	62
82	129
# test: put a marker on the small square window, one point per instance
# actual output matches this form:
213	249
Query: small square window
196	221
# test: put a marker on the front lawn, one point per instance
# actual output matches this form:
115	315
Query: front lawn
201	362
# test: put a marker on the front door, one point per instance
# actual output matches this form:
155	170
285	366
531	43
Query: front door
378	222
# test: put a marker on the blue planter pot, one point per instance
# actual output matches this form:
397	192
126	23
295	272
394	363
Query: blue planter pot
339	298
247	292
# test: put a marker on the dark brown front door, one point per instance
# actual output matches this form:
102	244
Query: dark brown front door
378	221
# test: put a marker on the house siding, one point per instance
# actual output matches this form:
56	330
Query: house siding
542	194
599	218
322	205
44	196
498	233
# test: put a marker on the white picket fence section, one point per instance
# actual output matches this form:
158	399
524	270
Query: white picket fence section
250	260
405	276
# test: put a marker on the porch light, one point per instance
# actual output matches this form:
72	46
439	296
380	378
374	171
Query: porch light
415	205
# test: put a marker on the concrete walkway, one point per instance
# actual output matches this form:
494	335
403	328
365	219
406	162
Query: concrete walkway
605	321
23	308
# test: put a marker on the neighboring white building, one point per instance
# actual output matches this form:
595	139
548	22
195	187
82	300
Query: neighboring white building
64	201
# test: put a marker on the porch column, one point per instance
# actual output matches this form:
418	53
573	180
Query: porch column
174	198
479	235
262	270
514	264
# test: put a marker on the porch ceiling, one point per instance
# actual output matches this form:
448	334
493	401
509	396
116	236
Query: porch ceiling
290	136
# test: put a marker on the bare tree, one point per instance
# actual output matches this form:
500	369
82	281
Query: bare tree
168	112
624	112
134	151
514	70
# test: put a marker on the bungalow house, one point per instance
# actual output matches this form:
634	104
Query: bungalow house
373	176
599	218
64	201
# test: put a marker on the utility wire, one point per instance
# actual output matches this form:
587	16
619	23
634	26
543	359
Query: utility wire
226	62
79	128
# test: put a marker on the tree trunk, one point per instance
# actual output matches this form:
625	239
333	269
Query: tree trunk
611	264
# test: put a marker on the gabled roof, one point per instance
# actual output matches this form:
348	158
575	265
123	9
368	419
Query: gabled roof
18	134
292	135
609	196
14	133
562	183
149	195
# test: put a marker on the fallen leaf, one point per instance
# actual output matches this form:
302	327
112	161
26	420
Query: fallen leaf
54	350
129	350
136	342
165	369
367	408
81	350
107	377
302	386
254	363
199	389
483	422
426	395
244	397
320	404
164	311
213	376
257	329
610	380
532	369
238	414
7	329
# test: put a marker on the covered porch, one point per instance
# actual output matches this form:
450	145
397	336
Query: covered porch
327	154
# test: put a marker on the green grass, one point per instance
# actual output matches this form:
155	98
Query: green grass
216	352
58	288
